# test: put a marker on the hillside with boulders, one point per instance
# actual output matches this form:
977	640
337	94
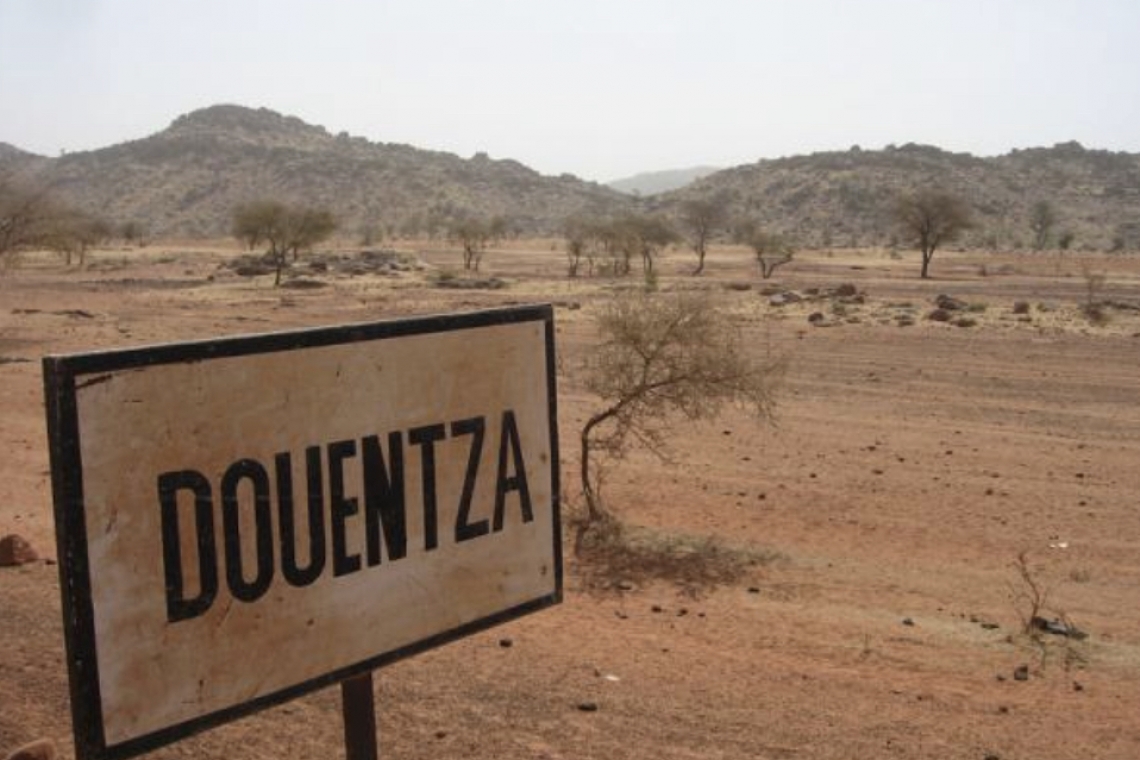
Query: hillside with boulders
846	198
187	179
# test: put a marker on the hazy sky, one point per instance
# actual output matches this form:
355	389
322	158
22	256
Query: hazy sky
598	88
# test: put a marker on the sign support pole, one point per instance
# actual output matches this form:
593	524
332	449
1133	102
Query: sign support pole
359	709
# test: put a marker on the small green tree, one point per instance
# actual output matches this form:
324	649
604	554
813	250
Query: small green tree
642	236
474	235
73	233
26	218
771	249
659	355
1042	219
701	219
580	234
929	219
282	229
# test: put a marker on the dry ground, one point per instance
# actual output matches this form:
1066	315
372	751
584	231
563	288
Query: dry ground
908	468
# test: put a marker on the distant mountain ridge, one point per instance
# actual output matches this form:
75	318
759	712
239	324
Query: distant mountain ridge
652	183
187	179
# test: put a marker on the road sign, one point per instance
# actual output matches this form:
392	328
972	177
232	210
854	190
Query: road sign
241	521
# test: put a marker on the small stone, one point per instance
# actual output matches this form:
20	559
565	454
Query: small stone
15	550
41	749
753	589
1021	673
625	586
588	706
1078	686
440	734
657	608
908	621
506	643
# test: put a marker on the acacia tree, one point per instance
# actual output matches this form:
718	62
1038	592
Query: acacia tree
643	236
771	249
475	235
73	233
283	229
929	218
1042	219
581	234
30	218
659	355
701	219
26	217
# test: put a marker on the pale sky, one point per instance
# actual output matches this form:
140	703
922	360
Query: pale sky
598	88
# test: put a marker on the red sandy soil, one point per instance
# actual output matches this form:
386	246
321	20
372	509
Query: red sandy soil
907	469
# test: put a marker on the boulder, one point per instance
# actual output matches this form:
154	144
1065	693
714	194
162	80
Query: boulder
949	303
15	550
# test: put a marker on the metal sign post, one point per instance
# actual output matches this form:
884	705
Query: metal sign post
359	708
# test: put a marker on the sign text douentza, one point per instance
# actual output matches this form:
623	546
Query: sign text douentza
244	520
269	491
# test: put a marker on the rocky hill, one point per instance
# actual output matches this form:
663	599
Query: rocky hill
187	179
846	198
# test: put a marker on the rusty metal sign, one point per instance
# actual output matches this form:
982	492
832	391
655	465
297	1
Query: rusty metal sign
244	520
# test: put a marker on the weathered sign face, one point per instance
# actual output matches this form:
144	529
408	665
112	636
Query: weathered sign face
244	520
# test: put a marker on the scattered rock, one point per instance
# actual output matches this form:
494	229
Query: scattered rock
908	622
965	322
470	283
506	643
1058	628
41	749
625	586
588	706
939	315
784	298
753	589
816	317
949	303
303	283
15	550
846	290
1021	307
657	608
1021	673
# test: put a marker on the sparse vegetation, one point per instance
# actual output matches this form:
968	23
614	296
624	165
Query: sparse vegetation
1042	219
702	218
771	249
475	235
659	355
930	219
283	229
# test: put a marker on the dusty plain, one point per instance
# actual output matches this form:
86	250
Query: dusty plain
907	469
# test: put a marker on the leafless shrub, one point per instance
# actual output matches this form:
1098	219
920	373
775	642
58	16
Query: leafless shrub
660	355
